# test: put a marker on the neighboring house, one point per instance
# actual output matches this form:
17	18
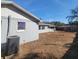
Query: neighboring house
43	27
18	21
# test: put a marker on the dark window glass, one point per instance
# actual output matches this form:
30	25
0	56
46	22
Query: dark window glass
21	25
43	27
39	27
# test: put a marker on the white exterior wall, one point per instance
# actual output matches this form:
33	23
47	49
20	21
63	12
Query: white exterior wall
46	29
29	34
7	12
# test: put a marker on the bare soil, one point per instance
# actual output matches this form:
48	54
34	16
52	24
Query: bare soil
52	44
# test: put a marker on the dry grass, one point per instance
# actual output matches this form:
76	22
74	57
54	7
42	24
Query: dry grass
53	45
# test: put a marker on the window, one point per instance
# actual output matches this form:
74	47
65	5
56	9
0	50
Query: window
21	25
41	27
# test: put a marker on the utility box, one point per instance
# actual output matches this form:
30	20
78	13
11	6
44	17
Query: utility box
12	45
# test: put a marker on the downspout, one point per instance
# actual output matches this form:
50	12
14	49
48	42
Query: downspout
7	35
8	28
8	25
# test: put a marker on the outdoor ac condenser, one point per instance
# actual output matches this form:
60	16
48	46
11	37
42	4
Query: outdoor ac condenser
12	45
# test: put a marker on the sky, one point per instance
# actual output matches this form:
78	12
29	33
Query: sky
49	10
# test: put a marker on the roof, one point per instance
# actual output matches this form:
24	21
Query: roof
20	8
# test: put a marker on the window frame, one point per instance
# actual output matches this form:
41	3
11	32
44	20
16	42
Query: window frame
18	25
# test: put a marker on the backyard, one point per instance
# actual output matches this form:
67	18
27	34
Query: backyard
51	45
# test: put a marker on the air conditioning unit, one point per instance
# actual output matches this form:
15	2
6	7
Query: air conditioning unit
11	46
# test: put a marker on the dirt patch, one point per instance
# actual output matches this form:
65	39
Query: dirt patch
34	55
49	44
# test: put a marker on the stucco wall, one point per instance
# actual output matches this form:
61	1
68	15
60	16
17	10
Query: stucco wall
8	12
46	30
29	34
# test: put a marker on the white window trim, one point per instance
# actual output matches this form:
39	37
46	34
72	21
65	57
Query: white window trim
20	30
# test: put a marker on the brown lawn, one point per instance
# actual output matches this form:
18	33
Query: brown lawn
54	44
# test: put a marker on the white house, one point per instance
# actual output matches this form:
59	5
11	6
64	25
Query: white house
17	21
43	27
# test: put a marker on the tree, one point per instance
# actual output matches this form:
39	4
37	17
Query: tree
57	23
73	17
74	22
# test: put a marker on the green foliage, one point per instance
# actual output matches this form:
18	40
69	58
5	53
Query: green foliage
57	23
73	18
73	23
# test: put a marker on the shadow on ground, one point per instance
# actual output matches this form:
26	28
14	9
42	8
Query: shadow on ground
39	56
72	53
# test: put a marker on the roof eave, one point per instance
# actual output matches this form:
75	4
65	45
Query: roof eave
14	4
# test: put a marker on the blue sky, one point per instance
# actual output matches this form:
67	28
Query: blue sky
49	10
